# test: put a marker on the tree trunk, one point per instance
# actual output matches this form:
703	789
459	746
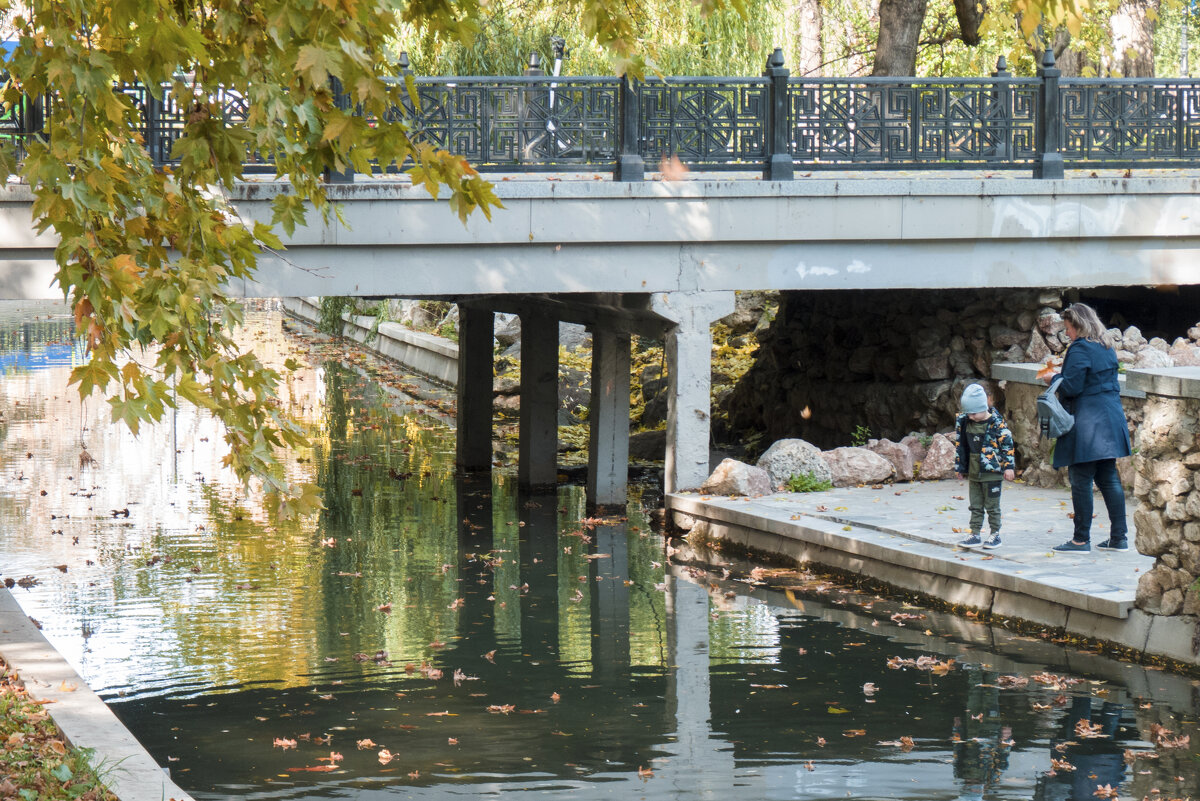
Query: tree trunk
899	29
970	16
806	24
1133	38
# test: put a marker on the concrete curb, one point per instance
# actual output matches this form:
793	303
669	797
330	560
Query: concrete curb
429	355
1046	598
127	768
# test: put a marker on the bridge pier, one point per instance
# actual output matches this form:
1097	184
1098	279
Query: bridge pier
608	416
689	379
473	448
537	448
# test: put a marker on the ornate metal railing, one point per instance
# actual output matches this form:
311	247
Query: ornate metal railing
774	124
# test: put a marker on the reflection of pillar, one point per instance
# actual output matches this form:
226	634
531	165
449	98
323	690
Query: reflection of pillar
537	451
539	553
702	763
474	441
476	530
610	603
608	416
689	366
473	492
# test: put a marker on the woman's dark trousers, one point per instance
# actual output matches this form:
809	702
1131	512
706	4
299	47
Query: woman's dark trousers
1103	473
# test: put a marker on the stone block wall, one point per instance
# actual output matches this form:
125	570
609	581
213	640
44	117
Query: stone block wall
890	361
1167	521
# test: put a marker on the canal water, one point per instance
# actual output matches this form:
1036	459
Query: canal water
425	636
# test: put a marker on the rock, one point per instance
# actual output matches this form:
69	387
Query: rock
506	385
1037	350
897	455
931	368
1150	358
1151	587
918	445
507	329
1184	356
648	446
1189	557
737	478
1153	537
853	466
682	521
1172	602
1194	333
1158	343
1049	322
1002	337
939	460
1132	338
574	395
861	360
749	310
573	336
790	457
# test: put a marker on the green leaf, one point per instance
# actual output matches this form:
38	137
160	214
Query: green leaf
62	772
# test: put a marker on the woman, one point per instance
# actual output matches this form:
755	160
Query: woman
1100	435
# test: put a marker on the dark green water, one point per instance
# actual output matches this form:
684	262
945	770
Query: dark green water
496	644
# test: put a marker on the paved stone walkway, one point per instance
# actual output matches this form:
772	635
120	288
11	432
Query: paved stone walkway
920	524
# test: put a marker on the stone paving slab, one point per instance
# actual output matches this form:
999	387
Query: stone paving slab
85	720
914	525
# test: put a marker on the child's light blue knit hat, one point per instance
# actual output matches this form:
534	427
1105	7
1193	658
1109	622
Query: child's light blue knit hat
974	399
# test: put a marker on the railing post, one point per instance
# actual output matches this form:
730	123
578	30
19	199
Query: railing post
1003	100
153	138
342	101
778	163
1049	123
630	166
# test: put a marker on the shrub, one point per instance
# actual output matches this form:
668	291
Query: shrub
806	482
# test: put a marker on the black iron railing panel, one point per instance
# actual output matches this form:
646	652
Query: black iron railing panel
775	123
889	123
536	123
1121	123
711	123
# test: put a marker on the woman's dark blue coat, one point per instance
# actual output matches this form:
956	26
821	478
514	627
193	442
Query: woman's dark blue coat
1090	390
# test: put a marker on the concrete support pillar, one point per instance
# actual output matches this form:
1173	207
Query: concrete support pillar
474	442
538	446
608	418
689	366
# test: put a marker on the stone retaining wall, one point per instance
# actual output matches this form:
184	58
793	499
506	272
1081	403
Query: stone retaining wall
893	362
1167	486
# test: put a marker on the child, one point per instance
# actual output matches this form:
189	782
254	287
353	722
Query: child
984	456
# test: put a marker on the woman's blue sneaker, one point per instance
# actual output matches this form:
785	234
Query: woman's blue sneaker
1113	545
1072	545
972	541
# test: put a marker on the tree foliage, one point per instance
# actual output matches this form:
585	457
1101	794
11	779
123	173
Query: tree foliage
146	255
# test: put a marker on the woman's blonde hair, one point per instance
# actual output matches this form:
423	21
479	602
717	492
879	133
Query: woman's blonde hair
1086	323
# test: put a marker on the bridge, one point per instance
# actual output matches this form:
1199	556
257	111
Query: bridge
795	184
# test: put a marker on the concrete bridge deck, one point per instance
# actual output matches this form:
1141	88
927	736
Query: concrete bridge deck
903	535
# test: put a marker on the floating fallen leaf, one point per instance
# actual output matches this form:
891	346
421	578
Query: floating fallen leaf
385	756
837	710
281	742
451	741
387	608
365	744
869	689
555	697
313	769
501	709
854	733
821	742
1105	791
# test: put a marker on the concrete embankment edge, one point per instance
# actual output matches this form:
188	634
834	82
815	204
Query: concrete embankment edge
429	355
86	721
909	567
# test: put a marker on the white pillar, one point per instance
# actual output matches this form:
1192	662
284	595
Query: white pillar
473	448
689	379
537	449
608	418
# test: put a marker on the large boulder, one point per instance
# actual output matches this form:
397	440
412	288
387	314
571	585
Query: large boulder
737	478
897	455
939	459
791	457
853	466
